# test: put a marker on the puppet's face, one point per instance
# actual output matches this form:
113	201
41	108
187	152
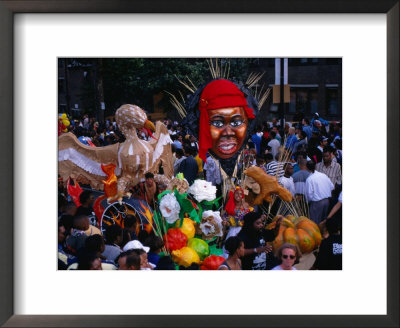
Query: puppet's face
180	184
210	228
228	128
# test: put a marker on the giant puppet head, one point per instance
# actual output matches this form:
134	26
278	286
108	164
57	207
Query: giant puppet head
221	115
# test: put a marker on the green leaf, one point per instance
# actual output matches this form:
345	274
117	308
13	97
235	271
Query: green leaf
186	204
163	194
214	250
200	213
209	204
211	240
170	225
156	218
194	216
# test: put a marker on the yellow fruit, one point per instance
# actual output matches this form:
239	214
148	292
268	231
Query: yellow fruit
187	227
185	256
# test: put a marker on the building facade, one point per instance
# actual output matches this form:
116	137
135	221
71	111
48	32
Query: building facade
315	87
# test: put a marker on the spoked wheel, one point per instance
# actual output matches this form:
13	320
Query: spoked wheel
115	213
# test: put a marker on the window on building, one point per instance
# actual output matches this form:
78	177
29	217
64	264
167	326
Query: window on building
303	61
333	61
303	100
332	100
274	108
313	100
292	104
268	62
62	108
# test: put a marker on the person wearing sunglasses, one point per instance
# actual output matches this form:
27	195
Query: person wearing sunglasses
257	242
289	254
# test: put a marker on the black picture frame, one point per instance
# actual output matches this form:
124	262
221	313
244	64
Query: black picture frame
10	7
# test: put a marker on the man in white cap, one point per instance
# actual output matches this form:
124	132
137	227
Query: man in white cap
142	252
135	244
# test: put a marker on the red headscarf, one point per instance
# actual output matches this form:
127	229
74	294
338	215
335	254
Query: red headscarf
230	204
218	94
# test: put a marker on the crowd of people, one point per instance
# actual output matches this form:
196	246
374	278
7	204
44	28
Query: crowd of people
306	157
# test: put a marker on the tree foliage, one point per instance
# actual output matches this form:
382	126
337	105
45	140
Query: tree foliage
137	80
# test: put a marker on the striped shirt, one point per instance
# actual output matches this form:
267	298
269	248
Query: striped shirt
275	169
333	171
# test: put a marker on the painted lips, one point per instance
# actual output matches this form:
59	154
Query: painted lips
227	148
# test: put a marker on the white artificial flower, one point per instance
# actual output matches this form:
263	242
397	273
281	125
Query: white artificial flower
170	208
203	190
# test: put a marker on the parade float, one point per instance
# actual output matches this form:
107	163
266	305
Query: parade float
187	217
111	171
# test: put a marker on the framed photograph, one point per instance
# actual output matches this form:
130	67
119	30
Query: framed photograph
35	34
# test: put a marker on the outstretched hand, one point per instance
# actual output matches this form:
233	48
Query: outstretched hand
279	221
267	248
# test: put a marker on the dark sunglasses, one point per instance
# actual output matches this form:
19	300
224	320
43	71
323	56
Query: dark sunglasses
286	256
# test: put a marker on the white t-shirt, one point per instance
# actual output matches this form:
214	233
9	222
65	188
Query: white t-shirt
288	183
